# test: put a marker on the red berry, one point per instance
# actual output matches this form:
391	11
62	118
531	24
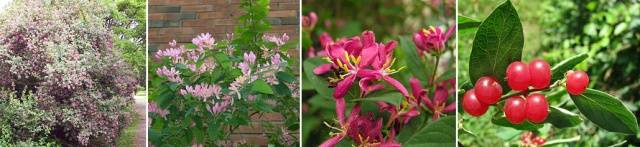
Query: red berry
488	90
471	105
537	108
514	109
538	140
577	82
518	77
526	137
540	74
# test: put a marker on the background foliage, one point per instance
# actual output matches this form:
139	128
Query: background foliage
606	31
389	20
191	121
53	56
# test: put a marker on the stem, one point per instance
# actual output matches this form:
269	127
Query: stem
554	85
390	121
435	69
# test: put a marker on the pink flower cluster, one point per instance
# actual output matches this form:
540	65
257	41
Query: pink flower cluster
204	40
172	74
153	107
202	91
309	22
432	40
218	107
279	41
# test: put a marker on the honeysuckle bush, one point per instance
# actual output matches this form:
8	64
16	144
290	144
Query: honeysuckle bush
595	117
54	57
358	91
201	92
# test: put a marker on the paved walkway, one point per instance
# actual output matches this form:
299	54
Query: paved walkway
141	109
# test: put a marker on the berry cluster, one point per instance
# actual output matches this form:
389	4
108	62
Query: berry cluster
520	77
530	139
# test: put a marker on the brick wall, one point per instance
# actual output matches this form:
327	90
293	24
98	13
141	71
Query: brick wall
184	19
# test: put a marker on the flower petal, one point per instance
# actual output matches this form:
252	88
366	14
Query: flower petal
416	88
343	86
332	141
440	96
322	69
450	108
368	38
396	84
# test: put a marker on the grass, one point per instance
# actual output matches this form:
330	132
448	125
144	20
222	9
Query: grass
128	135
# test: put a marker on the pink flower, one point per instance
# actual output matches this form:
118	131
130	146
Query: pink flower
276	60
172	74
309	22
432	40
173	43
279	41
359	58
249	58
437	105
218	107
155	109
203	40
202	91
245	68
229	36
174	53
363	130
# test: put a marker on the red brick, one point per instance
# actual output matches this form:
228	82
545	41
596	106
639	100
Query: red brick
283	13
197	8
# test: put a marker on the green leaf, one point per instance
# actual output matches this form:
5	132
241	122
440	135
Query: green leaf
394	98
465	22
412	60
561	118
558	70
320	84
190	46
439	133
501	120
286	76
498	42
606	111
261	86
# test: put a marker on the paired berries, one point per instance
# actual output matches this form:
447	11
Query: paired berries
520	75
577	82
534	108
472	105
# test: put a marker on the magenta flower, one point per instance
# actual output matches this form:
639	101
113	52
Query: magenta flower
309	22
363	130
356	57
173	43
437	105
172	74
245	68
202	91
432	40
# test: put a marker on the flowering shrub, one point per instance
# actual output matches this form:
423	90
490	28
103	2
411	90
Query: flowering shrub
60	54
363	80
201	92
533	97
